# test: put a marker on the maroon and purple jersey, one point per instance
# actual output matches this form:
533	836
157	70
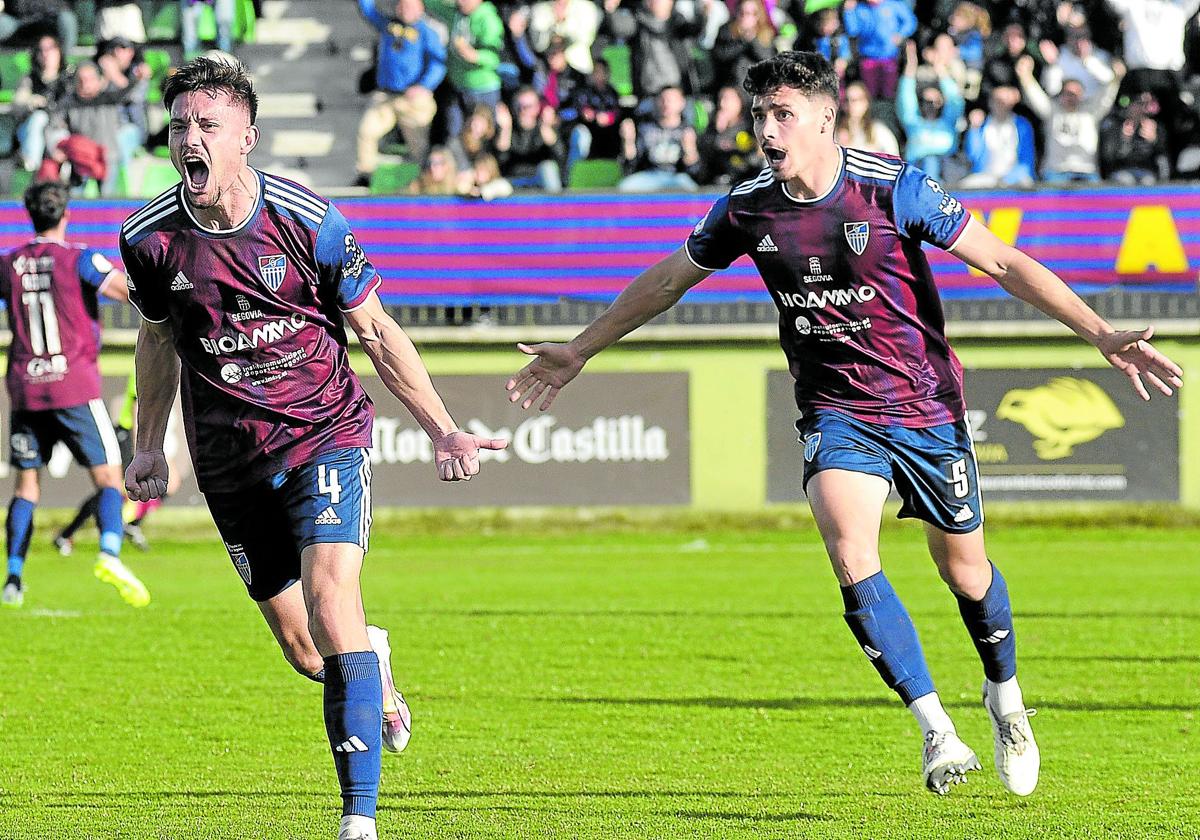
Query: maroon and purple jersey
860	319
50	289
256	318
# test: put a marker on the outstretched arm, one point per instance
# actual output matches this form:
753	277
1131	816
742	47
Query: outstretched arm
157	373
456	453
653	292
1019	274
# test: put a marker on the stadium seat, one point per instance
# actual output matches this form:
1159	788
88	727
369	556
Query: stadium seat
599	173
20	181
393	178
617	56
14	66
157	175
159	62
164	26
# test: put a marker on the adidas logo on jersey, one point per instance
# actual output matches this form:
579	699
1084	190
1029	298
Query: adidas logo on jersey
328	517
766	245
351	745
181	282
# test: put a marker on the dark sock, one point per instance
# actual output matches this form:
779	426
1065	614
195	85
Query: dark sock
354	722
887	636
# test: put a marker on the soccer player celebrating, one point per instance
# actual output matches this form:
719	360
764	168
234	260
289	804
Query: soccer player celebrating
50	287
836	234
247	278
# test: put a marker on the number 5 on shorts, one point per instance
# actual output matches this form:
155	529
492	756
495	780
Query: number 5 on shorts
958	479
327	484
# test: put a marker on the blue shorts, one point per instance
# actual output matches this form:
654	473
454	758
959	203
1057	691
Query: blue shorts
84	429
265	527
932	469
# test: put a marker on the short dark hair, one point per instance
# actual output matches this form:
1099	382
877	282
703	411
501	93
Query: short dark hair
212	75
46	202
807	72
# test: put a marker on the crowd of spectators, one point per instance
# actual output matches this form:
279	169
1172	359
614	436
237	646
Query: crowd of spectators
81	113
982	94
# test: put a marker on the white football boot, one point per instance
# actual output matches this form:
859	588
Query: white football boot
14	595
1017	756
354	827
946	760
397	719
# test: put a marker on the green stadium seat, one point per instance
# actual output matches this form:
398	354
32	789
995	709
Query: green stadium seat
164	26
599	173
159	62
157	175
20	181
393	178
619	62
244	22
14	66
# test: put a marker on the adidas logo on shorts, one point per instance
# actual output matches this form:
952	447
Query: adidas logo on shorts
328	517
181	282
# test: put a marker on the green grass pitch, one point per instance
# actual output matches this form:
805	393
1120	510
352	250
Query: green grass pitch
605	684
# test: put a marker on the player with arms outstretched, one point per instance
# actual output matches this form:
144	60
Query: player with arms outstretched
50	287
836	234
247	279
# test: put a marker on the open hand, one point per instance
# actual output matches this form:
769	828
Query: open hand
552	368
1131	352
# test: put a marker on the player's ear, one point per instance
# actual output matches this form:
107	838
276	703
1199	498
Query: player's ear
250	139
828	118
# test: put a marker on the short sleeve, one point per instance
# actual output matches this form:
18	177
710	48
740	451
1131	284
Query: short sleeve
925	212
145	295
341	262
714	243
94	267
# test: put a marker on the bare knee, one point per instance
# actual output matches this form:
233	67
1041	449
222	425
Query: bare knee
967	576
301	654
853	560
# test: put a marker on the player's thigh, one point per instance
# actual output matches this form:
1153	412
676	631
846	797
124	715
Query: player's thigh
88	432
961	560
257	533
937	477
32	435
847	476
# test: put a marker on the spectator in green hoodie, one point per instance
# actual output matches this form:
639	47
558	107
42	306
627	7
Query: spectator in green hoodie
476	39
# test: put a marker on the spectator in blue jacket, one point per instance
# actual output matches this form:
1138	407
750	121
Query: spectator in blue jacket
881	28
411	64
929	115
1000	145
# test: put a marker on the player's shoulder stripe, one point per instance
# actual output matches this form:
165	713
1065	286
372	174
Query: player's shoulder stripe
296	193
302	210
152	206
154	212
869	167
871	158
764	179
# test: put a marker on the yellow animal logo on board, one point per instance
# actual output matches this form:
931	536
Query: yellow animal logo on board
1061	414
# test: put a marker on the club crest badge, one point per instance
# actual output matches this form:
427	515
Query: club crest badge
272	269
811	444
857	234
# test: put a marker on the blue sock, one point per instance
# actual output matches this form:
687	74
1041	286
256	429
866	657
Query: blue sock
990	624
354	721
108	520
887	635
20	532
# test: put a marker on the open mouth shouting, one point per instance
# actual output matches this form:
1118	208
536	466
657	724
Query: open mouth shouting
196	174
775	157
